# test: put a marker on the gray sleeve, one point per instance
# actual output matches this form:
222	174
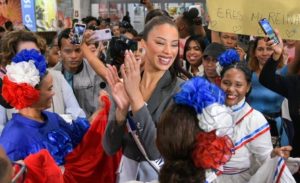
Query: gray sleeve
114	133
147	131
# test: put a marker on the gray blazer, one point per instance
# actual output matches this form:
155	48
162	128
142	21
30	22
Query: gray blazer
146	119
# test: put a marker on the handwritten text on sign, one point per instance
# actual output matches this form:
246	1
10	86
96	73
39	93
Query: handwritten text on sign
242	16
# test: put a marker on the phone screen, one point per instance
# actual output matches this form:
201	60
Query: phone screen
78	32
268	30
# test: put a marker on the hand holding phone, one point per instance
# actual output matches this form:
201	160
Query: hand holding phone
268	30
278	44
78	32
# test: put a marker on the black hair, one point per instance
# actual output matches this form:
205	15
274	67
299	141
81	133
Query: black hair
108	20
132	31
2	29
199	40
242	66
48	36
74	21
64	34
156	21
38	86
156	12
190	18
8	25
176	138
54	41
125	25
88	19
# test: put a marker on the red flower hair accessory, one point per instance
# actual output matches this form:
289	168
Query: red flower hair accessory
211	151
19	95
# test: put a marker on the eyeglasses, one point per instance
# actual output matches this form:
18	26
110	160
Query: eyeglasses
20	169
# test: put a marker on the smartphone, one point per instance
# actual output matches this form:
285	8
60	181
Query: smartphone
268	30
78	32
102	35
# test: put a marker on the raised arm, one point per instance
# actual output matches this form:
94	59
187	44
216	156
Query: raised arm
131	74
93	60
115	129
268	76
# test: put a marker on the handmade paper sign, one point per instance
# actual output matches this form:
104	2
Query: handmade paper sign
242	16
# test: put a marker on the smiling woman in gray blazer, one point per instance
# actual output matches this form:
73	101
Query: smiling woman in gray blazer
143	98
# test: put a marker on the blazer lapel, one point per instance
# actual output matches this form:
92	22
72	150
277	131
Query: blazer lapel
160	92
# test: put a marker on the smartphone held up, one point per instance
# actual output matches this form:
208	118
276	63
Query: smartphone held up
102	35
78	32
268	30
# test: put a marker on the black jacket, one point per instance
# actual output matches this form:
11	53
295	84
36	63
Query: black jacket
289	87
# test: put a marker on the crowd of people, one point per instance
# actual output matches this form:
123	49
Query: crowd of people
174	103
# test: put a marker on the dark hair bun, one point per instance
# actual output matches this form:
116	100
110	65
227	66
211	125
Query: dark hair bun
193	13
191	17
181	171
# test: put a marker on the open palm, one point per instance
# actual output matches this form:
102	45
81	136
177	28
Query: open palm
117	89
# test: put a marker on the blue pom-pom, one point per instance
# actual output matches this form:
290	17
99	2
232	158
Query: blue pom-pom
229	57
199	93
35	55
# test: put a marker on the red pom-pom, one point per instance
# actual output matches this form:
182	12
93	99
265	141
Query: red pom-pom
211	151
19	95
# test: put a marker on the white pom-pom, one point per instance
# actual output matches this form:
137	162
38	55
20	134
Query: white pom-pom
23	72
216	117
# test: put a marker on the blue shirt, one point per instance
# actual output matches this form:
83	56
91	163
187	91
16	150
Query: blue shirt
23	136
69	77
263	99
